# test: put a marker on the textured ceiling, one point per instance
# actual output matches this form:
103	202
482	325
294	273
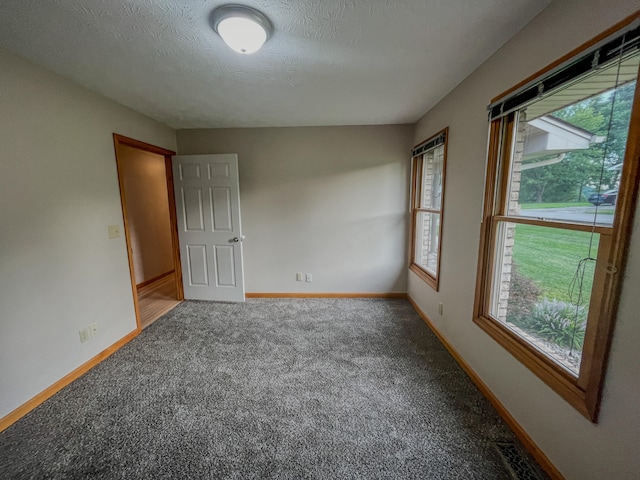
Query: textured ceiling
329	62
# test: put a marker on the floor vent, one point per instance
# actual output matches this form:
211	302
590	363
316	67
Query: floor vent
517	465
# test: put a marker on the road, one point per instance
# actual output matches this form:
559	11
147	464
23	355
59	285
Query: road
573	214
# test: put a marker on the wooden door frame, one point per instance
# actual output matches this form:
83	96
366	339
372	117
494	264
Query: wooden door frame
119	140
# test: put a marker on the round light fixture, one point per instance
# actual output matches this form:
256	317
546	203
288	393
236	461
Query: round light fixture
244	29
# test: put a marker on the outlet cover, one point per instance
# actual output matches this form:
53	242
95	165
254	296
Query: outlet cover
114	231
440	308
84	335
298	277
309	277
93	329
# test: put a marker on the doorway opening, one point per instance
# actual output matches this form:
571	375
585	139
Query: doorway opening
148	209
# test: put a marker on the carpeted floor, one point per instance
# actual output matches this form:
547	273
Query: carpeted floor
296	389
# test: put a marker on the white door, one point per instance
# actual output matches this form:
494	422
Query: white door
208	214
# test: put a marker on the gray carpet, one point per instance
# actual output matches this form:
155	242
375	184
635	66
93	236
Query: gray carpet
318	388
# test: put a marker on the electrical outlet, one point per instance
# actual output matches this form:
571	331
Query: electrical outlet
309	277
93	329
84	335
440	308
114	231
298	277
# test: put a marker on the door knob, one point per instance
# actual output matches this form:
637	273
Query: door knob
236	240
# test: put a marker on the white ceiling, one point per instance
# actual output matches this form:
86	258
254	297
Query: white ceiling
329	62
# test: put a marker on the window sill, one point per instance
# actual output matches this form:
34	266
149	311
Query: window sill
429	279
561	381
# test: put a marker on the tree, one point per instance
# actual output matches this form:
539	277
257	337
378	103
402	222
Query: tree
564	181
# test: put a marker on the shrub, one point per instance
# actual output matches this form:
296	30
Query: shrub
523	295
557	321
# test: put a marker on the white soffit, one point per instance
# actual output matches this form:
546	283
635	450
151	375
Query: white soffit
598	82
329	62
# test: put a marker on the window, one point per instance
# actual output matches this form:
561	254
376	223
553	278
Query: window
429	159
559	197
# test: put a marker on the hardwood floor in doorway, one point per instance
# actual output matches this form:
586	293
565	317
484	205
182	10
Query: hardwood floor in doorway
156	299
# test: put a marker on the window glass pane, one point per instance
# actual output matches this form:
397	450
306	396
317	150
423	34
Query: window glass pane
536	292
427	239
432	178
569	149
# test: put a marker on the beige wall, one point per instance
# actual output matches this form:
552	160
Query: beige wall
580	449
331	201
59	271
145	186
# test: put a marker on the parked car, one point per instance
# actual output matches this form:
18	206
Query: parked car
604	198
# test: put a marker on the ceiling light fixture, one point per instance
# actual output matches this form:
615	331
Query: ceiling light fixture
244	29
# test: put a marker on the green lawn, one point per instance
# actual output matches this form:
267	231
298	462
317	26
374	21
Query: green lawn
602	211
550	256
529	206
